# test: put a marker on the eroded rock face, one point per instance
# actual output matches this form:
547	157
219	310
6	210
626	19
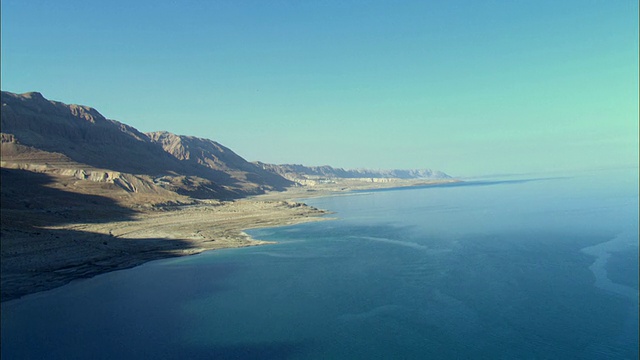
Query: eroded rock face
50	136
214	156
43	135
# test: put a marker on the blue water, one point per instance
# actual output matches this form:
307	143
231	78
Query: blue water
519	268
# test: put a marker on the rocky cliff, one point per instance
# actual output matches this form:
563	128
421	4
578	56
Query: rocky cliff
77	141
199	152
49	136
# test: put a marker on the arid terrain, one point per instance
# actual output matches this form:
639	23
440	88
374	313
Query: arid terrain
82	195
62	232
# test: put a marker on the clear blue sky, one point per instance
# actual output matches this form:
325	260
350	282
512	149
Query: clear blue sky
467	87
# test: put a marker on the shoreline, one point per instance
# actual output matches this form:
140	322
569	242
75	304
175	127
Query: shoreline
43	258
346	187
37	256
602	252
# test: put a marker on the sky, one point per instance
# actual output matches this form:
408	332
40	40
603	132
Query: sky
463	86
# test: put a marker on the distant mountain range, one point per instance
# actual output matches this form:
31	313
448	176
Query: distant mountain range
296	172
74	140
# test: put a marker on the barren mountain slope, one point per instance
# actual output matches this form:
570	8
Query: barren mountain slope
43	135
216	157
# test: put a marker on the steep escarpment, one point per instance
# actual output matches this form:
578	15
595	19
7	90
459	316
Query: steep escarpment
82	194
80	133
74	140
199	152
50	136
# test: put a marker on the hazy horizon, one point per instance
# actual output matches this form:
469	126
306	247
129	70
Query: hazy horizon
541	268
468	88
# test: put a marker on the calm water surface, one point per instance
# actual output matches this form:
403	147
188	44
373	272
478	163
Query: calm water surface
536	268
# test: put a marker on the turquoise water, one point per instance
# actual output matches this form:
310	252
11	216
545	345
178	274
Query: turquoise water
526	268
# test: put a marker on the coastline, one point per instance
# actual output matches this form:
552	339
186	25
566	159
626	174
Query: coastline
43	258
39	257
602	252
345	187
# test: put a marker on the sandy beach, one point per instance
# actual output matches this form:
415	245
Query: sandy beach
46	246
42	258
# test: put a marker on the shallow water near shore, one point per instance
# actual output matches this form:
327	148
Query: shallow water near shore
525	267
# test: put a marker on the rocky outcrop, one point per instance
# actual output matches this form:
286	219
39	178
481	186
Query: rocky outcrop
80	133
214	156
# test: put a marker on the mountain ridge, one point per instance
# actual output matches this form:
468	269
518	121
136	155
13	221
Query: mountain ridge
82	194
301	173
37	132
76	140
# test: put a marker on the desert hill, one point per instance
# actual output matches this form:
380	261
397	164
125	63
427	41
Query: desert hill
305	175
77	141
199	152
49	136
82	194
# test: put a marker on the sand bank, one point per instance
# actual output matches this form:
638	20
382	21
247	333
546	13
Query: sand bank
40	258
46	246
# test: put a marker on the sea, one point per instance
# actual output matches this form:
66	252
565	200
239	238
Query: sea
536	266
